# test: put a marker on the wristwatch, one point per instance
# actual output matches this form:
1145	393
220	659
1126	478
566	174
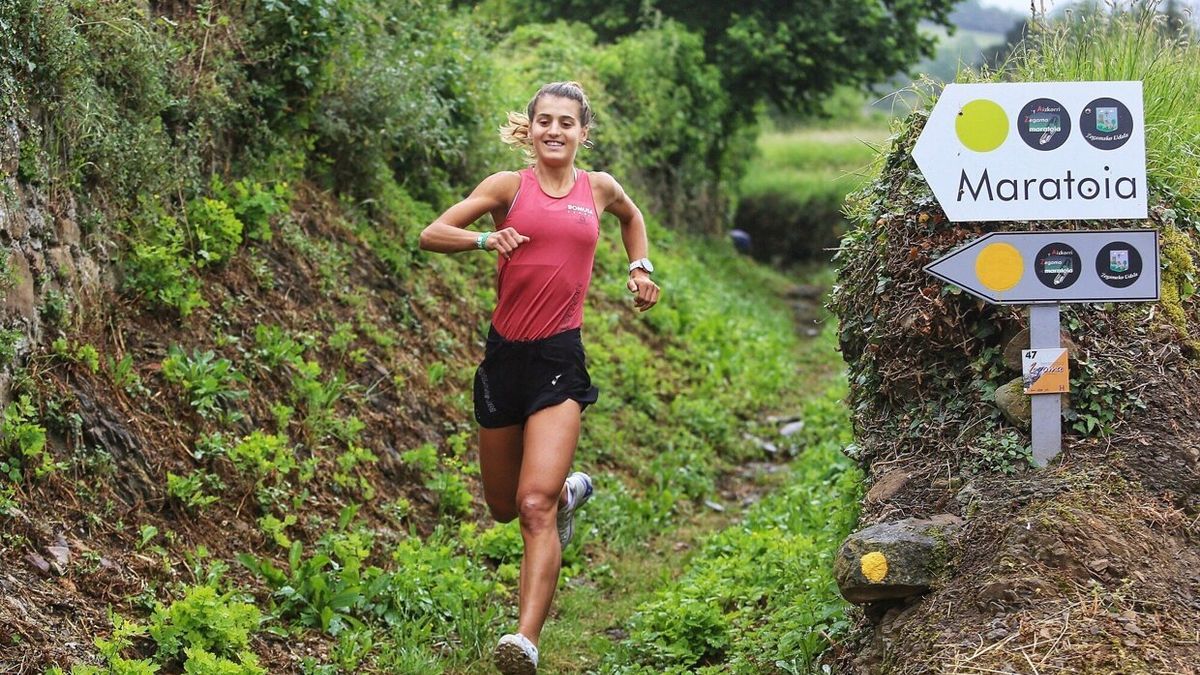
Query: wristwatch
642	263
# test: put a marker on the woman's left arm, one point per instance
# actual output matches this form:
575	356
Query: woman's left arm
633	235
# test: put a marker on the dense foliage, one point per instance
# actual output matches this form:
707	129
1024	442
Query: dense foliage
773	51
793	196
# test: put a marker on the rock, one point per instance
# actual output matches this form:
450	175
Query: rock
714	506
89	274
766	446
1020	342
37	222
1014	403
67	231
887	486
39	563
20	299
10	147
60	555
62	265
894	560
791	428
16	223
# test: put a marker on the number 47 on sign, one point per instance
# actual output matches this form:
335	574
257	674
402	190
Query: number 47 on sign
1044	371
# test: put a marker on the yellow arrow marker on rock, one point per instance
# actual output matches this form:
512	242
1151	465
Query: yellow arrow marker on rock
874	566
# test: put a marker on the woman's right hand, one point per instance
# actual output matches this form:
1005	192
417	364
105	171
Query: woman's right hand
505	241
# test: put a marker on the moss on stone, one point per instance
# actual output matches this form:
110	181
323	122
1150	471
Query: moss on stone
1178	279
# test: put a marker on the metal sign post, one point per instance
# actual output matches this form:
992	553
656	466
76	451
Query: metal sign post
1043	151
1043	270
1046	429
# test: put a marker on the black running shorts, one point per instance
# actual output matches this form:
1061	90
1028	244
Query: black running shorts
519	378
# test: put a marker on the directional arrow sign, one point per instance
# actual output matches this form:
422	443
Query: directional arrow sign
1021	268
1036	151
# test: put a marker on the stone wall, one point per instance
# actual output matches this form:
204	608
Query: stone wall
43	257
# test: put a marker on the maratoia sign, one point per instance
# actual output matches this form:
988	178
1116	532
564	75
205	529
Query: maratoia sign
1036	151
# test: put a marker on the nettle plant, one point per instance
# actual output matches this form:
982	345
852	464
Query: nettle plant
24	442
444	476
209	627
208	381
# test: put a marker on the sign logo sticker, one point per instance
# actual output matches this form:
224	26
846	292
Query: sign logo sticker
1058	265
1106	123
999	267
1107	120
1119	264
1045	124
1045	371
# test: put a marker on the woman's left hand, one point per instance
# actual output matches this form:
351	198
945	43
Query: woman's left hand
645	290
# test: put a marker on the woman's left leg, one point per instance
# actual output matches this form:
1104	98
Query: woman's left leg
551	435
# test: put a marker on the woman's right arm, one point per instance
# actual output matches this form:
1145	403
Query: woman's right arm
448	233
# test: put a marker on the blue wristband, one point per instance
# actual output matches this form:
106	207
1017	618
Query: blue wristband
481	241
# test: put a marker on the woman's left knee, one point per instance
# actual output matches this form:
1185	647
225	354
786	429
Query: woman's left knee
537	510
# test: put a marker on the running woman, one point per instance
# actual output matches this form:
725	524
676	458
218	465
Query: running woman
533	385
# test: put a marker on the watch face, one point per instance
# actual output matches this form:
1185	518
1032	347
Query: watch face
646	264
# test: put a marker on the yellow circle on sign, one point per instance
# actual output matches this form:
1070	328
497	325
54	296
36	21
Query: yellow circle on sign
874	566
999	266
981	125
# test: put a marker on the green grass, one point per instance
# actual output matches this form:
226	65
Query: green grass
844	149
792	195
761	595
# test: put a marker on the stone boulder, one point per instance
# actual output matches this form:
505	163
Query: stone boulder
1014	403
1020	342
894	560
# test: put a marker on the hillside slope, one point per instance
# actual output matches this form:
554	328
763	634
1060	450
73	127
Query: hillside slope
1085	565
312	412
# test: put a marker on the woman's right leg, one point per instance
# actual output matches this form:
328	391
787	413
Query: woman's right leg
500	453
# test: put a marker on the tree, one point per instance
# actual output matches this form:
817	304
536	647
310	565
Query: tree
791	54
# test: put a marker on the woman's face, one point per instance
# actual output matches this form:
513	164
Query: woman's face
556	131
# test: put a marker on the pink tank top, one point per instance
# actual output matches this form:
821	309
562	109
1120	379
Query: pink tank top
540	289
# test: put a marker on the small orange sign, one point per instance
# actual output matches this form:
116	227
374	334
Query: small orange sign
1044	371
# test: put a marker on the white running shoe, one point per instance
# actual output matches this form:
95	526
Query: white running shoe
579	490
516	655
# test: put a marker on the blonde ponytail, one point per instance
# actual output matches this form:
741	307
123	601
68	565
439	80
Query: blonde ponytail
515	134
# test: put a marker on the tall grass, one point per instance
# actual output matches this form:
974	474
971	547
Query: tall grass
1133	45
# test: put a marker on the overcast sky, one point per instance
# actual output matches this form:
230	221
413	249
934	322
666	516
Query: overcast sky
1022	6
